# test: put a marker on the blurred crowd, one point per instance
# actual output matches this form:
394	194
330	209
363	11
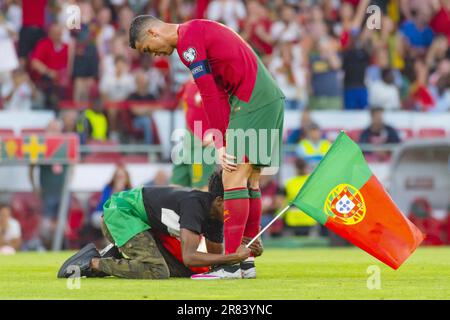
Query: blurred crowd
328	54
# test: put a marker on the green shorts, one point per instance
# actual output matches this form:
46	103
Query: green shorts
255	136
194	175
193	172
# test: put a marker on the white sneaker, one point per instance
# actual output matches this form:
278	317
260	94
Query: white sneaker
220	272
248	269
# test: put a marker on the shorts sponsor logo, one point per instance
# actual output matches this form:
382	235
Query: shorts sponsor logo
259	146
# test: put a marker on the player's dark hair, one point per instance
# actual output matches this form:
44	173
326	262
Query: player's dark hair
215	185
137	25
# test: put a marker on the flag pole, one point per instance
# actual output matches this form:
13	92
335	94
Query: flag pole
268	225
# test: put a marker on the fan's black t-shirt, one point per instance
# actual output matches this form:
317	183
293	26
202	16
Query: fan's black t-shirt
171	208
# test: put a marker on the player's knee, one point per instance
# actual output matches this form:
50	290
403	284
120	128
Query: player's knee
253	181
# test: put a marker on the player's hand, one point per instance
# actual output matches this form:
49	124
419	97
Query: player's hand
226	160
243	253
256	247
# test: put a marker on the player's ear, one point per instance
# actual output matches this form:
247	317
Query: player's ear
152	32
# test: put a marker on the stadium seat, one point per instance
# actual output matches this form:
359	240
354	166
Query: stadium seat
354	134
88	233
26	208
135	158
102	157
93	202
128	128
155	132
447	232
126	125
6	132
432	133
421	214
405	133
70	104
286	134
33	131
74	223
331	133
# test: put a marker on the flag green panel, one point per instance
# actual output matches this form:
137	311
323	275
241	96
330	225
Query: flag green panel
343	163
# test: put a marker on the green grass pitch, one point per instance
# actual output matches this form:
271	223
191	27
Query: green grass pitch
282	274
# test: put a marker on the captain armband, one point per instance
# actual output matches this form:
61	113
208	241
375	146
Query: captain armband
200	68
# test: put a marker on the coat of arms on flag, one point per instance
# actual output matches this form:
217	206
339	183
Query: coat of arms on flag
345	205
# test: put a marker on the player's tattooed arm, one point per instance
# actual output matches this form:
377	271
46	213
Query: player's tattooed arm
193	258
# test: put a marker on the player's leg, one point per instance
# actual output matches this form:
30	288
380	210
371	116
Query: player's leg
252	226
253	137
142	260
236	205
254	218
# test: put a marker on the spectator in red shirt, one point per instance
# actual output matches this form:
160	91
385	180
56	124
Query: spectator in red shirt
257	28
272	200
351	21
421	214
50	61
440	23
33	22
201	7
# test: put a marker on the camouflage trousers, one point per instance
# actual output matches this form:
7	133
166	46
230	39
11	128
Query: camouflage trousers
141	259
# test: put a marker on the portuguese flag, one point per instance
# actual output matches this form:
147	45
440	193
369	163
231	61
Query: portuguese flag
344	195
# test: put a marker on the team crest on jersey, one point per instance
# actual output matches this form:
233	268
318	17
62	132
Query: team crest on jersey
345	205
190	54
